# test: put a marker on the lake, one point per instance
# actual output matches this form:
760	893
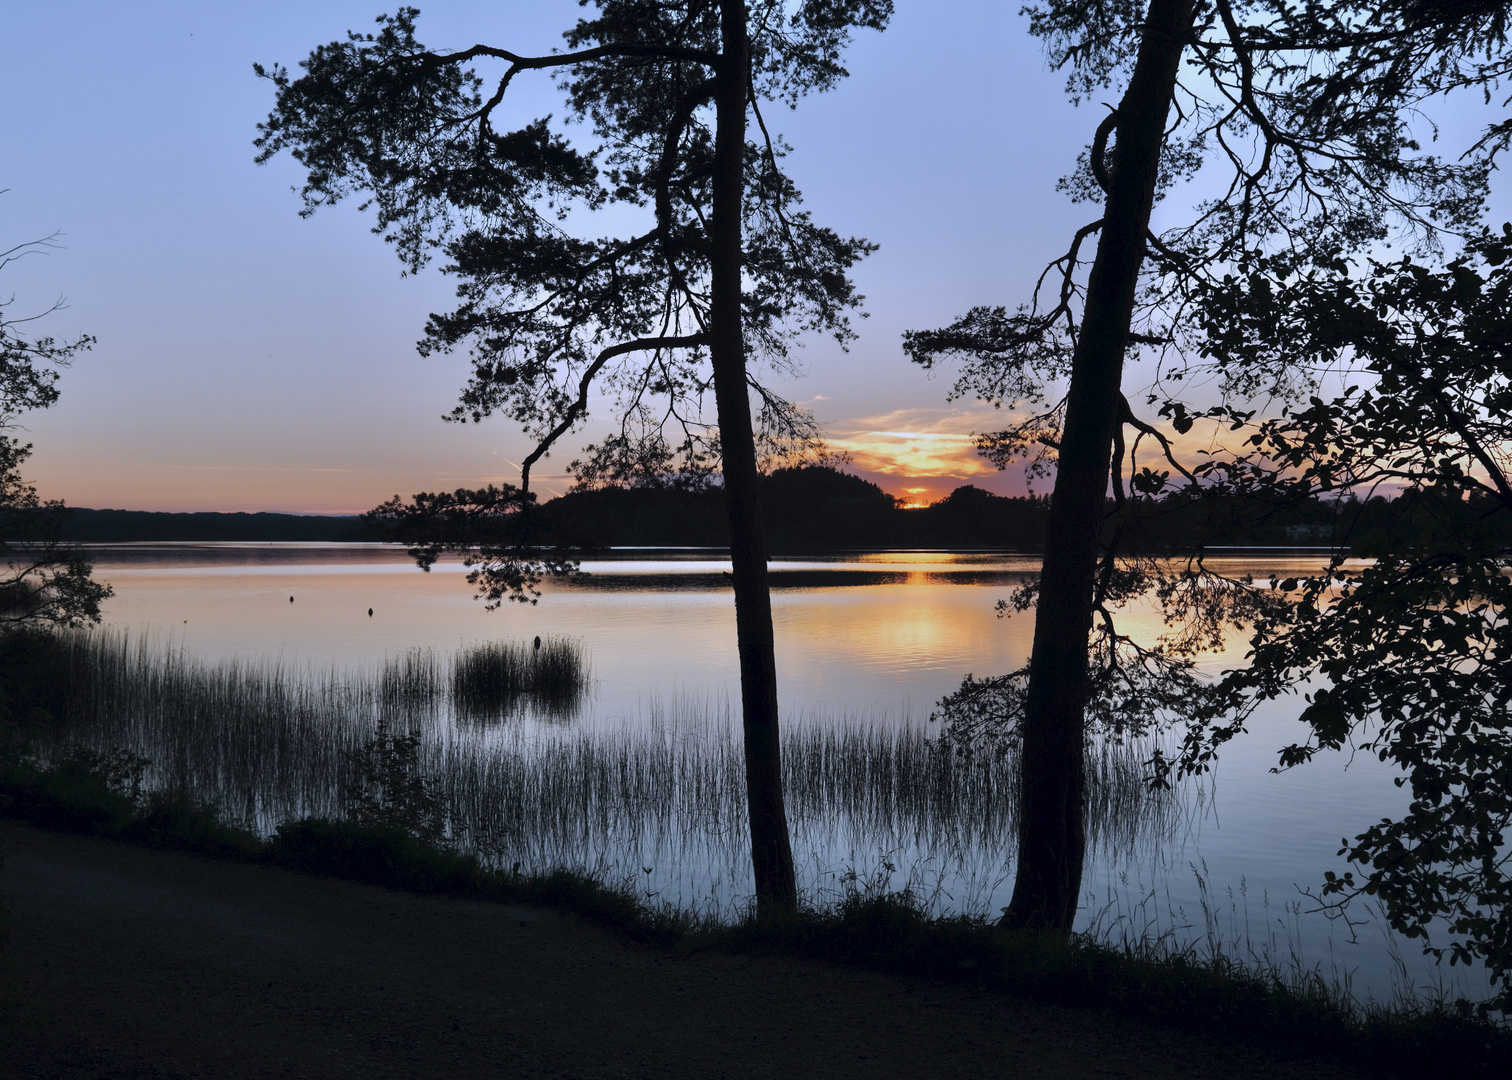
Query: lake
863	641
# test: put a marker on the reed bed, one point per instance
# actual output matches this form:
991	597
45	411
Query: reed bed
269	742
489	680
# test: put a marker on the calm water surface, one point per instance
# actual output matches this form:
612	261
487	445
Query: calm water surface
875	637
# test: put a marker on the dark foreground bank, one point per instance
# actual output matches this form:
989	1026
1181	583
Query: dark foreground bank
107	934
149	963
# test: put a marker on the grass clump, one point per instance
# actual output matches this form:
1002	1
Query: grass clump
99	793
373	854
179	822
489	680
81	790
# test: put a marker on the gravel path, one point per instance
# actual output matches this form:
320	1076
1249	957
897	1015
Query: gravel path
155	964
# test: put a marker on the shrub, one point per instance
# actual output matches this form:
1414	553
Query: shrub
390	792
83	790
374	854
33	675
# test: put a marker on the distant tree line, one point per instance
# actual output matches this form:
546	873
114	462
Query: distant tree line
818	507
140	526
1190	519
804	507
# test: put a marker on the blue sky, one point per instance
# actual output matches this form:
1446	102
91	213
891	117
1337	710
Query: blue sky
252	360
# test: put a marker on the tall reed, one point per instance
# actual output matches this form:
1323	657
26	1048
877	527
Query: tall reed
268	742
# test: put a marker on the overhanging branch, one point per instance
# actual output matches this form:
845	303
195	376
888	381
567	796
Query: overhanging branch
580	406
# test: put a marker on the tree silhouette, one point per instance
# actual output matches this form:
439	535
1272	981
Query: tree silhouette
721	272
46	584
1310	109
1415	643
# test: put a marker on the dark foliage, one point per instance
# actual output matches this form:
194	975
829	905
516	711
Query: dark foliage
1306	113
389	791
1412	647
44	582
544	312
32	683
816	512
134	526
490	681
375	854
813	507
497	531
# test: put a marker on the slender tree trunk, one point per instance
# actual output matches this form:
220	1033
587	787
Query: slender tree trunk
1052	836
771	854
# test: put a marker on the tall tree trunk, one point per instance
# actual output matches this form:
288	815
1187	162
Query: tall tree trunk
771	854
1052	835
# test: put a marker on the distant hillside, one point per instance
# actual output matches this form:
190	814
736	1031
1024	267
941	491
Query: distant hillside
805	508
123	526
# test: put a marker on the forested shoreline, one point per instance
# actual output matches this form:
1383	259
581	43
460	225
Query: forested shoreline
819	507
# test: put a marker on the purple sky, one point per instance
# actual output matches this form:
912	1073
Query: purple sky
251	360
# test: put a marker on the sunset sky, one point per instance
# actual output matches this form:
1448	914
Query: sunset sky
251	360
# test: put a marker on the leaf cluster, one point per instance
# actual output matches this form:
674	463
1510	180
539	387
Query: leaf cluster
1309	117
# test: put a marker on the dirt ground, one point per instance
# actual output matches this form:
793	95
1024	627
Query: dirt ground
152	964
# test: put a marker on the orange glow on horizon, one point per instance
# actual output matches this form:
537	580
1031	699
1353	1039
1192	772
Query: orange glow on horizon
921	455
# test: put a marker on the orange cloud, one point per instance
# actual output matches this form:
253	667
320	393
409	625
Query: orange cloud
921	455
916	442
914	453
